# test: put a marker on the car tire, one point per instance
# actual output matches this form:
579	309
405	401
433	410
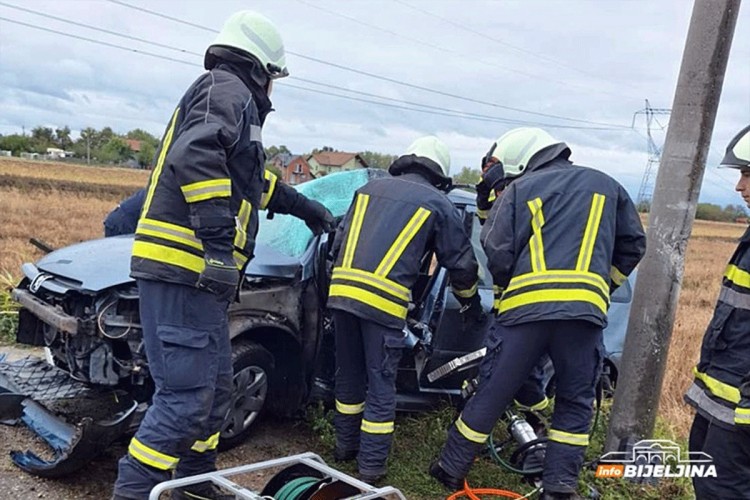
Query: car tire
253	366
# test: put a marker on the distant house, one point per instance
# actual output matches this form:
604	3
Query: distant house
29	156
329	162
134	145
297	171
5	152
54	153
281	160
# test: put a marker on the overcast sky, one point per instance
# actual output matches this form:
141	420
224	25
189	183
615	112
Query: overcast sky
591	62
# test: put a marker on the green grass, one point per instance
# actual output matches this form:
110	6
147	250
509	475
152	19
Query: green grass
418	440
8	311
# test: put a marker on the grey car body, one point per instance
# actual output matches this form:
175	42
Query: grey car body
81	304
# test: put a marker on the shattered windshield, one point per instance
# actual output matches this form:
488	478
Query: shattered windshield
290	235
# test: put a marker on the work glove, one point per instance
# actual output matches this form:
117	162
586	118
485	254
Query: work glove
472	314
316	216
220	276
494	176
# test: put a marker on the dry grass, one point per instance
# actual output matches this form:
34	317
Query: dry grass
63	204
57	203
710	247
56	172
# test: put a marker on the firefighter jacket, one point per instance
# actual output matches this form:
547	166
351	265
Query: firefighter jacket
559	241
392	224
721	390
208	182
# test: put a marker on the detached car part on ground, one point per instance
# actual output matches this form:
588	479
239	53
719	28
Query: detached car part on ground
81	305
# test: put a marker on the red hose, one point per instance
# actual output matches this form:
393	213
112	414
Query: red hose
472	493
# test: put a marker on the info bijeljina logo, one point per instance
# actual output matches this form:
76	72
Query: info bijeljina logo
655	458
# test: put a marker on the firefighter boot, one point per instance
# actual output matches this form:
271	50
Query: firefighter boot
341	455
450	482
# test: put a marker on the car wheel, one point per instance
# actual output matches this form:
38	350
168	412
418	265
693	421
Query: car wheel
252	366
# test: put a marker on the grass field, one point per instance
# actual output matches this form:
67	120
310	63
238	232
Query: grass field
63	204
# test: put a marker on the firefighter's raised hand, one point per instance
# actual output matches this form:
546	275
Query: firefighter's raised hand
220	276
483	195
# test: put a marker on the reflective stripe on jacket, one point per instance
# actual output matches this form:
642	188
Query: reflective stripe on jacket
721	390
392	223
558	241
207	184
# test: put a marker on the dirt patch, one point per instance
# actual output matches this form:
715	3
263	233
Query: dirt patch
273	438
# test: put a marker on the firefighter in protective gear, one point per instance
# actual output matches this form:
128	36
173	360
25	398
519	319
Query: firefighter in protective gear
194	238
721	390
557	265
531	397
392	225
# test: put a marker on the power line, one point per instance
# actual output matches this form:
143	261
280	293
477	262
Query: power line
444	112
501	42
387	79
451	51
164	16
463	114
438	110
100	42
96	28
715	183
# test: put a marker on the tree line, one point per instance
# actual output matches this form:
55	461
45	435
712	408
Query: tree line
107	147
98	146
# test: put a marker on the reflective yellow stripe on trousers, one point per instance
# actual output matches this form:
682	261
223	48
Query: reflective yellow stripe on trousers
349	409
469	433
568	438
377	427
209	444
151	457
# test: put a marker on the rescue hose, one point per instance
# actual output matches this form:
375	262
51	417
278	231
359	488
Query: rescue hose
509	467
295	488
472	493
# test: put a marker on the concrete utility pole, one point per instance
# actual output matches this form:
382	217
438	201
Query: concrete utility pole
672	212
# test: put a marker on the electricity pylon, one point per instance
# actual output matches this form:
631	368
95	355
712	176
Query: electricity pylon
645	191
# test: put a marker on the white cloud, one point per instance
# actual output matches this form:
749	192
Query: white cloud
593	61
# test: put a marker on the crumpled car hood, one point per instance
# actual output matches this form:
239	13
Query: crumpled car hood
100	264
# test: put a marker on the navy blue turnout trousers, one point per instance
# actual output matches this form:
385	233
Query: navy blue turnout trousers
576	349
730	451
367	358
186	335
